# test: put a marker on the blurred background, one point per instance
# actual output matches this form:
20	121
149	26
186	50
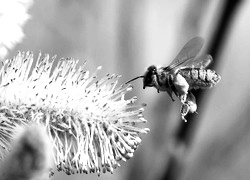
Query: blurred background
126	37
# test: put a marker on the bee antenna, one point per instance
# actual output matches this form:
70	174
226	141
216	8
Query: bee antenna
134	79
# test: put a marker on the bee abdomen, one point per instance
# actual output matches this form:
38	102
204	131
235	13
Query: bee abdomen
199	78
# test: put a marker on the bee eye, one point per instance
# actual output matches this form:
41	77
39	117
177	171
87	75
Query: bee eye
151	68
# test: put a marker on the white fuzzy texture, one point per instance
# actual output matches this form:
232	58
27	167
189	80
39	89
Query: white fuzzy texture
90	123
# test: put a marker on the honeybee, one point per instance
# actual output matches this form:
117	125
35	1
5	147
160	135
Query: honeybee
184	73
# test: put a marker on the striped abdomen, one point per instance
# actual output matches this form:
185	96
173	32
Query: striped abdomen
200	78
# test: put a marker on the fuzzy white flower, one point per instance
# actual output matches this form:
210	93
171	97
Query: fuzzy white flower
91	125
13	15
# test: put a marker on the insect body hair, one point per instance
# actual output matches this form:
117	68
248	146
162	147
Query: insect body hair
199	78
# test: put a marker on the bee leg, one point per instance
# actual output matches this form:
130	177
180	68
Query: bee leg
170	94
184	111
191	100
184	119
181	87
183	98
172	98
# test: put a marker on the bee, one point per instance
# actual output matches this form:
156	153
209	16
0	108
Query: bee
186	72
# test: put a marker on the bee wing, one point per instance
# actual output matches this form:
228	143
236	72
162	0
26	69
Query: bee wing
199	62
187	53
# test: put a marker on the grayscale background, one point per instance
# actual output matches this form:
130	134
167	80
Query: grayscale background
125	37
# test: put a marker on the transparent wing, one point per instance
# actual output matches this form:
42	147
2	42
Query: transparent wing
187	53
199	62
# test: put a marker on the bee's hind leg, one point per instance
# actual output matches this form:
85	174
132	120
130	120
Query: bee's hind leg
183	98
185	109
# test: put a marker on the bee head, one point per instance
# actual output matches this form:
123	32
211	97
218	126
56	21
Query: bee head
148	77
148	80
